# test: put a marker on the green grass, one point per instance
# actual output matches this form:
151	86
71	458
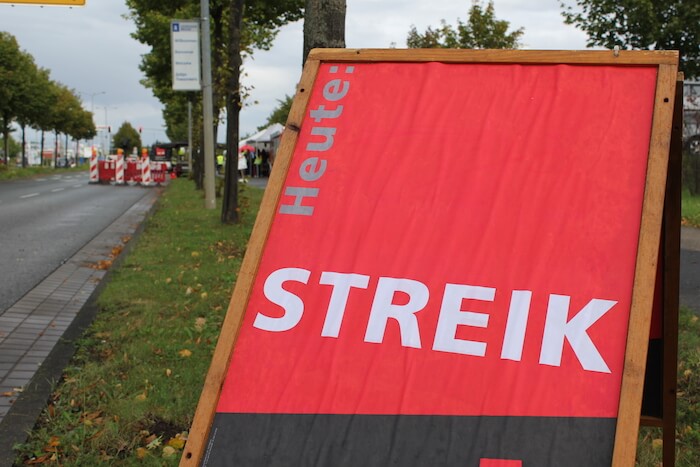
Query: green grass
129	395
13	172
690	209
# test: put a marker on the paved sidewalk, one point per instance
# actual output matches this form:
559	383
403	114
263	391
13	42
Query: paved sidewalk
36	333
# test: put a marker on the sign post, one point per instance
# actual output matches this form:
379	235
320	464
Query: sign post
453	264
184	40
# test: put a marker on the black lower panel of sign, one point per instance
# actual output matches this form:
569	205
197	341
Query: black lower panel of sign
407	440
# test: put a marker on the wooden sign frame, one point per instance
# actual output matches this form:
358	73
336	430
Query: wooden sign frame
649	236
663	385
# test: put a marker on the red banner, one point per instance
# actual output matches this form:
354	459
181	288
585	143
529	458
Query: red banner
461	242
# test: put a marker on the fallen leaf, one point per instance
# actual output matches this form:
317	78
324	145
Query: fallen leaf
168	372
199	323
195	254
177	443
184	353
141	453
189	291
141	397
169	451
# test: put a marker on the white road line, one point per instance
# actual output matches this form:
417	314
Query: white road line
31	195
78	186
56	190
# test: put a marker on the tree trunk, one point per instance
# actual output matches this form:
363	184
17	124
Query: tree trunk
24	147
41	149
5	138
324	25
55	152
229	205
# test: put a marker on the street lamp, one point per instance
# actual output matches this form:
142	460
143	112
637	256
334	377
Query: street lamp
107	126
92	107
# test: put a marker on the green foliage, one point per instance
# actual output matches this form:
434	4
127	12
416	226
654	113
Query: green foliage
29	97
129	395
280	113
481	31
14	148
127	138
641	24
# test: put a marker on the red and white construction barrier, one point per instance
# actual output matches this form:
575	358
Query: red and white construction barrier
119	176
120	171
94	172
146	172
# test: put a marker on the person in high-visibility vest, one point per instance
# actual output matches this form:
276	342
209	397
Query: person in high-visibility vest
220	160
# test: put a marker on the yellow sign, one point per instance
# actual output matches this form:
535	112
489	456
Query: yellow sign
48	2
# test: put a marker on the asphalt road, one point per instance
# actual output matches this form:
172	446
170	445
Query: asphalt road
44	221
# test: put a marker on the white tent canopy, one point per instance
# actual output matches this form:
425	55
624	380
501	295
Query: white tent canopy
264	138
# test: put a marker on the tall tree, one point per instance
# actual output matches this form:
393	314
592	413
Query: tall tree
229	203
252	24
126	138
324	25
641	24
481	31
16	69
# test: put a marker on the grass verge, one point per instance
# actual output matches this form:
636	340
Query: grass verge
129	395
12	172
690	209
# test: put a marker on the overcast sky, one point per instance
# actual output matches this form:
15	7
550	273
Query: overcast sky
90	50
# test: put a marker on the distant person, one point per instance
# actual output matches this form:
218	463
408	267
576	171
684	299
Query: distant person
257	162
265	167
242	165
219	162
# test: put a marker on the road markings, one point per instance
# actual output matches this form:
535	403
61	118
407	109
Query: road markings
31	195
56	190
78	186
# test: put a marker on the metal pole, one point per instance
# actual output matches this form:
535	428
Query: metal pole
208	111
189	134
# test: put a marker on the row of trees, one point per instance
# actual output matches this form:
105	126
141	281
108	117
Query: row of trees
30	98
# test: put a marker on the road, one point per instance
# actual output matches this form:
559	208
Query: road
44	221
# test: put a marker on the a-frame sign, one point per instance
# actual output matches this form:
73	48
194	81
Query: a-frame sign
453	264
